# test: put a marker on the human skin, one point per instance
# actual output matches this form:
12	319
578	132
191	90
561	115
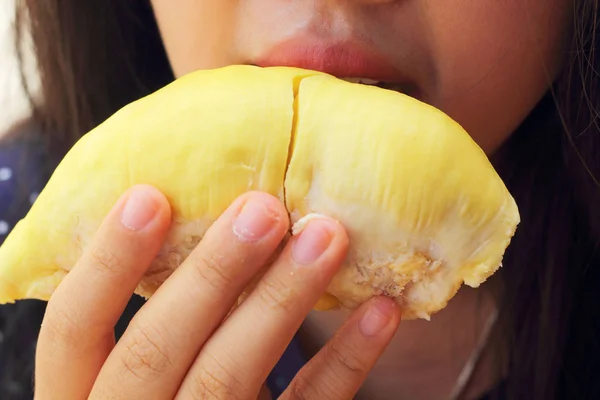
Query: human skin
485	63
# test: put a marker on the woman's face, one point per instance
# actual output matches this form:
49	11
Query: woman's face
486	63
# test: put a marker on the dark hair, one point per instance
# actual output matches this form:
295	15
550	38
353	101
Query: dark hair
95	57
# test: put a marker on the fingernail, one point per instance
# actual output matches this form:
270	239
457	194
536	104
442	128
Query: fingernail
139	210
312	242
254	221
377	317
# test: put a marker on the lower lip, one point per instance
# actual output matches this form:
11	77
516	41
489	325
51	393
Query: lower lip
340	60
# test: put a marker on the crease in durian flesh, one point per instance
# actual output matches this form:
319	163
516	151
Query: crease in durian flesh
424	210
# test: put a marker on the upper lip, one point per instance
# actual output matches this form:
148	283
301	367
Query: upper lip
343	59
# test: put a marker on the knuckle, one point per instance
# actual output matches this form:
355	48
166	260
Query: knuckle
145	354
346	357
211	380
61	325
276	295
300	388
105	260
210	270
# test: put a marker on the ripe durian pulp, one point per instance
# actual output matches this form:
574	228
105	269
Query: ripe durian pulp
423	207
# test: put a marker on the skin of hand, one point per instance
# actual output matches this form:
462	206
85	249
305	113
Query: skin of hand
184	342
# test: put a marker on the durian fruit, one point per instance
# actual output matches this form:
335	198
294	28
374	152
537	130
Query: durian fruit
424	208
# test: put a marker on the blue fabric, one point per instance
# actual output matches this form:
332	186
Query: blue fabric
288	366
23	173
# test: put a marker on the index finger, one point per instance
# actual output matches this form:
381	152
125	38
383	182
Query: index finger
77	332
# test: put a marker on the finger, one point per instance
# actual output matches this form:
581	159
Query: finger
77	331
340	368
157	349
265	393
238	358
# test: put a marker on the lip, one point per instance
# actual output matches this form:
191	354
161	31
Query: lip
348	59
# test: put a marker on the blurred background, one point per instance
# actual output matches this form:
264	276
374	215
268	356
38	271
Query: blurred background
14	104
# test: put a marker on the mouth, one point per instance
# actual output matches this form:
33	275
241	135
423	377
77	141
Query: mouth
395	86
351	61
363	81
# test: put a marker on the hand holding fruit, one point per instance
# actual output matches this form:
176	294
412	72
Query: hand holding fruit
182	343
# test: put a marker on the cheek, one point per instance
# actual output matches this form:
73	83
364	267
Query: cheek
196	33
494	61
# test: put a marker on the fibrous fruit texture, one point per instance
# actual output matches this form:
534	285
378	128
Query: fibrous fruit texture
424	209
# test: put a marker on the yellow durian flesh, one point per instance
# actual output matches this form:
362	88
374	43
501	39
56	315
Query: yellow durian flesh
423	206
424	209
